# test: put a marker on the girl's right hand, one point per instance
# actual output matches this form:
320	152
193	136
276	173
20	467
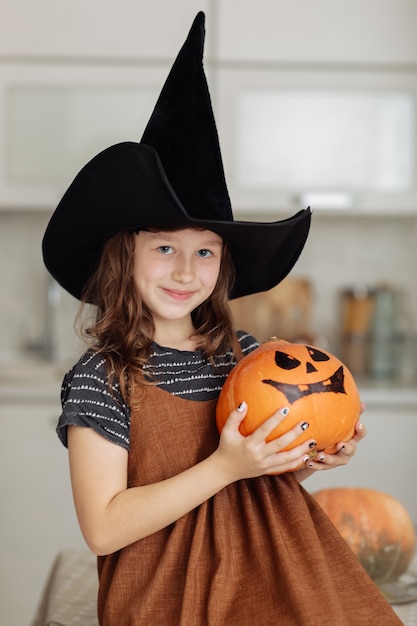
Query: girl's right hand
252	456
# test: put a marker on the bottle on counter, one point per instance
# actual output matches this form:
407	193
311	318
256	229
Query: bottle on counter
357	307
383	329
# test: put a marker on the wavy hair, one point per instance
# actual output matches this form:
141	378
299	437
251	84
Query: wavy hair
120	325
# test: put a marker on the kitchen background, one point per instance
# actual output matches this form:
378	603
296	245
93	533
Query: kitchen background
76	76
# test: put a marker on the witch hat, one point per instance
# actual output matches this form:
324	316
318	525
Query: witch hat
183	132
172	178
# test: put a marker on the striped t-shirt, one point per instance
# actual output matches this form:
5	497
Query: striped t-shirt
88	401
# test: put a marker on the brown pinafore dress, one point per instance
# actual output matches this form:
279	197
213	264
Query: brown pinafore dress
260	552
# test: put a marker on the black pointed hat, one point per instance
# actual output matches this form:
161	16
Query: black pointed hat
172	178
183	132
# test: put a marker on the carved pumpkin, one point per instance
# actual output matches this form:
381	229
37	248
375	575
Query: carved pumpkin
375	525
311	382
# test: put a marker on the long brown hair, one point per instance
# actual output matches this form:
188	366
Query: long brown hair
120	325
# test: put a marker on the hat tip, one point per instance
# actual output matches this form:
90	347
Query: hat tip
199	21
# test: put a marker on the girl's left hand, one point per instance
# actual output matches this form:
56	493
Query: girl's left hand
345	451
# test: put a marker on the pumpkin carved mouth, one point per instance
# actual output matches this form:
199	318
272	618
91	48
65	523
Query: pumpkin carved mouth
293	392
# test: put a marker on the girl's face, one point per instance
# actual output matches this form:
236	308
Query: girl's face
175	271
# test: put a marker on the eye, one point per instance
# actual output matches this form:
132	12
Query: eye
317	355
286	361
204	253
165	249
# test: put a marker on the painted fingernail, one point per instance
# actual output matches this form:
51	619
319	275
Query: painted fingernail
310	464
305	459
360	426
342	448
321	457
312	444
284	411
241	407
304	425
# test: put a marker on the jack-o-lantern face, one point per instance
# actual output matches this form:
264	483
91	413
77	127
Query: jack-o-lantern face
312	369
312	383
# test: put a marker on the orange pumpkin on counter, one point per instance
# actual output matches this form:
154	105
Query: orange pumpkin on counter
375	525
312	383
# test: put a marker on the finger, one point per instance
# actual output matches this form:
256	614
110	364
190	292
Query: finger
320	462
286	440
347	449
360	433
267	427
287	460
325	461
265	430
360	430
328	463
236	417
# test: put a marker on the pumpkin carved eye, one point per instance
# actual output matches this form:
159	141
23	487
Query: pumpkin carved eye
317	355
286	361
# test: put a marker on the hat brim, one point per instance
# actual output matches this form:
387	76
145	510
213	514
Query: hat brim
125	188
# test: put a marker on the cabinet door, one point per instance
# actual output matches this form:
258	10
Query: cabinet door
385	460
38	518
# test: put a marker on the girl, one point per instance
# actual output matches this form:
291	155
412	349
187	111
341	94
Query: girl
191	528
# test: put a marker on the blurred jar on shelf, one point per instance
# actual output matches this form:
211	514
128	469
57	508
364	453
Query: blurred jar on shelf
377	336
285	311
357	309
383	360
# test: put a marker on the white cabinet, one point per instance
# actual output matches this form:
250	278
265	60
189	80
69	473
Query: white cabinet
97	29
73	89
385	459
317	32
37	518
266	30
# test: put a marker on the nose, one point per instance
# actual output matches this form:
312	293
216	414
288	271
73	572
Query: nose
310	368
183	270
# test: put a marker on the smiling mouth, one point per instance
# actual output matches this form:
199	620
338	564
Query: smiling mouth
334	384
178	295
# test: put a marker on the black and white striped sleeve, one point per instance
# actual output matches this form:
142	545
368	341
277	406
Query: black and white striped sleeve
87	400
